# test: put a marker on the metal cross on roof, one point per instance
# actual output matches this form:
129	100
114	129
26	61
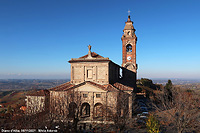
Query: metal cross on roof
129	12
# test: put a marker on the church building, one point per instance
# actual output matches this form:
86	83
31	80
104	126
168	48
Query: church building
98	89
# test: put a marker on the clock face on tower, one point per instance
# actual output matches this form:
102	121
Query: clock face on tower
128	58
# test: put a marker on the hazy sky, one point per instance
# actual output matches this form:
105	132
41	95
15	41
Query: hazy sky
39	37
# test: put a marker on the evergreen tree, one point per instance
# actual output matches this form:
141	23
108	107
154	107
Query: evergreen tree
169	85
168	90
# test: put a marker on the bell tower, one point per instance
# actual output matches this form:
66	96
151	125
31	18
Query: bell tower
129	40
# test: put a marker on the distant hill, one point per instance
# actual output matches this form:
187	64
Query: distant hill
176	81
29	84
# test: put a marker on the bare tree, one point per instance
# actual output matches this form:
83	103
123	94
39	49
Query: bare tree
75	108
179	110
122	114
66	108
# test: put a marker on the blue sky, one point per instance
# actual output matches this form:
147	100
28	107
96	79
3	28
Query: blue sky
38	37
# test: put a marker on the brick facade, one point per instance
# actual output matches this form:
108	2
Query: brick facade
129	39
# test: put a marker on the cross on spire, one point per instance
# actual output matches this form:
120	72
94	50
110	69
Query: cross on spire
129	12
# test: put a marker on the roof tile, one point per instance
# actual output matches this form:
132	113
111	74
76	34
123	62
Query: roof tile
39	93
122	87
94	55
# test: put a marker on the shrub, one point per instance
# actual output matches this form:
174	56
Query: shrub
152	124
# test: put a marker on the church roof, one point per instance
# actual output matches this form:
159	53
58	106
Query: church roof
62	87
90	57
111	87
69	86
93	54
122	87
39	93
94	57
108	87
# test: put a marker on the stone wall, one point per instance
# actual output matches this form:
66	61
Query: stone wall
86	71
35	104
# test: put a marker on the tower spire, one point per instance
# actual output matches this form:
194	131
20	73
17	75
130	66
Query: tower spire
129	40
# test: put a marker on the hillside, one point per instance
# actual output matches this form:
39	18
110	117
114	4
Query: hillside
13	98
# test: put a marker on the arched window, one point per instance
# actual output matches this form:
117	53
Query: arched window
98	110
130	67
128	48
72	110
85	110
